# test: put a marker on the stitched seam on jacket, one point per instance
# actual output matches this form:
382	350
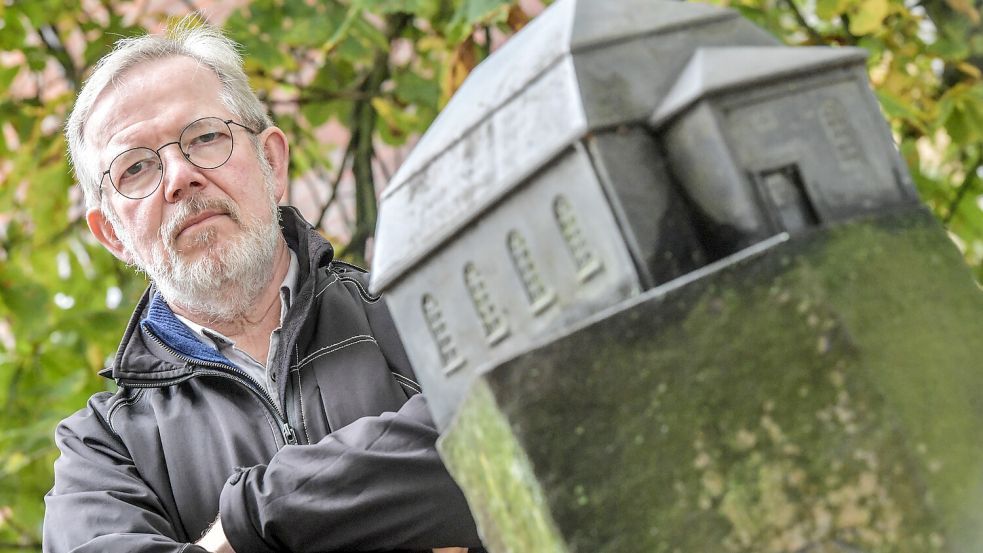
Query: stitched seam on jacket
303	416
326	286
351	339
366	297
406	382
119	405
333	348
412	382
274	431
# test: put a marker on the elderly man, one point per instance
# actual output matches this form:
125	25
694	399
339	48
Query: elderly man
264	400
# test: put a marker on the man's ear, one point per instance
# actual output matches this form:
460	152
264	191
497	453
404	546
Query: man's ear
277	151
104	232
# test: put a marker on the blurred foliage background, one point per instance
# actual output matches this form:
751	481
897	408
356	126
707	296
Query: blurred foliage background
353	82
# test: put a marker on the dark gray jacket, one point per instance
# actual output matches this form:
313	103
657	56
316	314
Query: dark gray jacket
187	435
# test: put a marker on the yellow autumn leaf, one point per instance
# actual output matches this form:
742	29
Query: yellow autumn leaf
383	107
14	462
966	8
95	357
429	43
462	61
969	69
828	9
868	16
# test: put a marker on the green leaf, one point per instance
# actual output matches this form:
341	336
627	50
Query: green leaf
948	48
364	38
318	113
415	89
483	11
958	127
36	59
268	54
965	117
898	108
473	12
399	6
24	298
394	123
968	218
875	47
7	75
96	49
338	74
12	34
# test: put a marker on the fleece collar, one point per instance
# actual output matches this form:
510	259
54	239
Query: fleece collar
162	323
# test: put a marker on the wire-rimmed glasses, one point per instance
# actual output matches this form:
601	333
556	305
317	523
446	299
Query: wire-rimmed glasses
207	143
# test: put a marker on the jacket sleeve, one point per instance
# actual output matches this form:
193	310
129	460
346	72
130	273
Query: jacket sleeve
99	503
376	484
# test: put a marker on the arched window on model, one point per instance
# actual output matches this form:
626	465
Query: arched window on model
442	338
539	295
492	322
584	258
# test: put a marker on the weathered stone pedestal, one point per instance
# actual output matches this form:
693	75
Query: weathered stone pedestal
821	394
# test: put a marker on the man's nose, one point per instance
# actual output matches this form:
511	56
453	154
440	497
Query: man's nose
180	175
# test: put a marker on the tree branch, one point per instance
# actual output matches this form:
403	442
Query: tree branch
964	187
283	81
851	39
337	180
386	172
486	30
326	96
363	131
813	34
56	47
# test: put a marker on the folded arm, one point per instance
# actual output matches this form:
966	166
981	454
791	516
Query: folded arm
99	502
376	484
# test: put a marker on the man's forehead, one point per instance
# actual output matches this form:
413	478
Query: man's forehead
153	89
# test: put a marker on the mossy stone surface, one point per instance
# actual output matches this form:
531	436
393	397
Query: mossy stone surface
823	396
502	489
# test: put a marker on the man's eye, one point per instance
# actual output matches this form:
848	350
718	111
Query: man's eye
206	138
135	169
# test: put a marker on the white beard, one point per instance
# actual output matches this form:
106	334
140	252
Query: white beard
221	283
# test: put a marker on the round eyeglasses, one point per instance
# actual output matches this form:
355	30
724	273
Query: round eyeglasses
207	143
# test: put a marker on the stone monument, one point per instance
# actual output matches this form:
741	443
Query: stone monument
669	288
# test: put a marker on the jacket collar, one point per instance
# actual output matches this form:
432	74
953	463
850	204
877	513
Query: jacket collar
312	250
139	358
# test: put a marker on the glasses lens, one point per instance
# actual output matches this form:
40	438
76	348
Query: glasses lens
207	142
135	173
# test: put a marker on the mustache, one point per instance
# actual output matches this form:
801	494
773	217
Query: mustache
192	207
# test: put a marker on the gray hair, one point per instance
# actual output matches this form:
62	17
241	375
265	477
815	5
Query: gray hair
191	38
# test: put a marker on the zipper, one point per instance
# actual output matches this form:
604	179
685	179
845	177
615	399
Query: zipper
289	436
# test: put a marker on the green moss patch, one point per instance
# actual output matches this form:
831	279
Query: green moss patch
823	396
